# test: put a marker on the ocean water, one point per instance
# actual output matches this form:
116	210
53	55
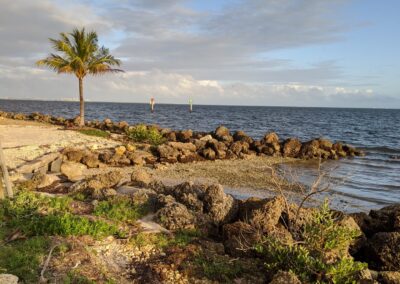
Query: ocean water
369	182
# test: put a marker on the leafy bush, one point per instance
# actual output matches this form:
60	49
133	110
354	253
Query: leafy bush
95	132
320	257
142	133
120	209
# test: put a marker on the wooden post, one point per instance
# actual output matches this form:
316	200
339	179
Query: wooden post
1	187
6	178
152	102
190	105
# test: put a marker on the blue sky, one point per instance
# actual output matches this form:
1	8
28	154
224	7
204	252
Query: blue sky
337	53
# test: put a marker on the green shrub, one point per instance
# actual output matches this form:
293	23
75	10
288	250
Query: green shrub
142	133
121	209
95	132
320	257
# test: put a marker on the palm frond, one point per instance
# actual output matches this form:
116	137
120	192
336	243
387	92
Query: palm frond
80	54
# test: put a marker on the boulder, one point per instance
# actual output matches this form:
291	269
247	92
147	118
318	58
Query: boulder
325	144
220	207
221	131
72	170
141	178
182	146
74	155
167	153
47	180
270	138
208	153
120	150
55	166
264	215
189	195
309	150
8	279
285	277
241	136
384	251
170	136
103	181
184	135
291	147
206	138
389	277
175	216
91	160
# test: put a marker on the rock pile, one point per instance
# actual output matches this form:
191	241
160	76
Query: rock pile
188	146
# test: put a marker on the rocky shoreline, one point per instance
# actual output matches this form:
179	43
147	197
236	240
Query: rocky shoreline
229	240
187	146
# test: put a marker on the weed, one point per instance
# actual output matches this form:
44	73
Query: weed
219	268
95	132
142	133
121	209
320	257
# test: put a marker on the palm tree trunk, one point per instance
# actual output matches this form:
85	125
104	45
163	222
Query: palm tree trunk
82	103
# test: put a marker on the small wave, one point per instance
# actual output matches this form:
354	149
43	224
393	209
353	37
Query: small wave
381	149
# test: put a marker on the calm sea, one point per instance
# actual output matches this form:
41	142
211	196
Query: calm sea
371	181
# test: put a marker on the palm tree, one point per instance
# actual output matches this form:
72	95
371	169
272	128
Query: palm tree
80	55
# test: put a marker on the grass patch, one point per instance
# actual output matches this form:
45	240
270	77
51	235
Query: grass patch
37	215
121	208
142	133
320	257
95	132
23	258
219	268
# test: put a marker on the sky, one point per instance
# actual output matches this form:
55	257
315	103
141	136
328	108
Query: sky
333	53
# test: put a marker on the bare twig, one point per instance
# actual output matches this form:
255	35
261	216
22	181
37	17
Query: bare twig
46	264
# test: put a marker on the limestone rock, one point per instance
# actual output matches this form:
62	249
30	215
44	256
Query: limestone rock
291	147
220	207
141	178
8	279
175	216
72	170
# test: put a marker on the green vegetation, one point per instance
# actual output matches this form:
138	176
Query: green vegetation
23	257
95	132
80	54
36	215
75	278
142	133
320	257
219	268
121	208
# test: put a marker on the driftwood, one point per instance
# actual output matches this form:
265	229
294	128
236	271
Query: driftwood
4	177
